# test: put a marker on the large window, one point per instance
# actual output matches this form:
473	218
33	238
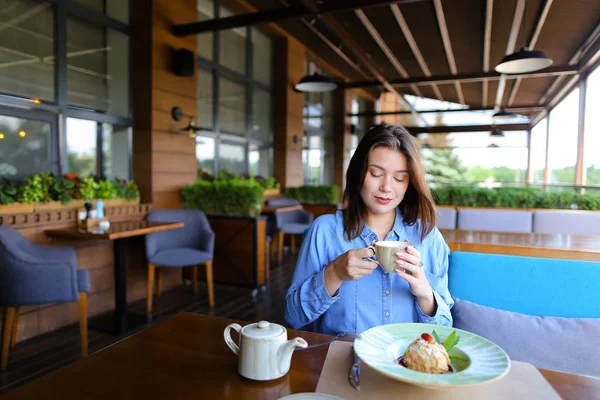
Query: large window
317	153
563	139
475	158
65	88
591	158
539	136
234	99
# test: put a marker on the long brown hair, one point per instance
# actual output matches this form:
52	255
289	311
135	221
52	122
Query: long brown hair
418	202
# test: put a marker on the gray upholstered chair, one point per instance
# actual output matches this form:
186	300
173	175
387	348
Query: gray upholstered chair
186	247
32	274
291	223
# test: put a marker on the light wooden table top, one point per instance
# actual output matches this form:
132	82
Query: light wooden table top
185	357
117	230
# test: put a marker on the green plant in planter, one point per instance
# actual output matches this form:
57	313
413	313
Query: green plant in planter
62	189
37	188
88	188
234	197
314	194
8	192
106	190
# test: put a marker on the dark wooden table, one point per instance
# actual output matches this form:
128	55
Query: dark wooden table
186	357
121	320
562	246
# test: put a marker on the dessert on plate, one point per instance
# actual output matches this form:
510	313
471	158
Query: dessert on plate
425	354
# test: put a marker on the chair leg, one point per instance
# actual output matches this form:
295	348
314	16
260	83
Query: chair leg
13	335
9	314
268	262
280	246
293	243
158	282
83	324
195	278
151	273
209	283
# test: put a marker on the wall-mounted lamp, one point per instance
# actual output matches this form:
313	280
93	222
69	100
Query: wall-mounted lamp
22	134
296	139
177	114
1	135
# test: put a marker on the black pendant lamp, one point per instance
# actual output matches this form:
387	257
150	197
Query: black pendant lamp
504	115
496	133
316	83
523	61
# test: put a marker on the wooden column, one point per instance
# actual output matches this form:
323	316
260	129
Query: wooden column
342	103
164	157
290	58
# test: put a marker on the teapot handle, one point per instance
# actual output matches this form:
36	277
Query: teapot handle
227	334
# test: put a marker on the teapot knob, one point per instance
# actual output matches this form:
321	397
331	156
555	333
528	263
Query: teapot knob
263	324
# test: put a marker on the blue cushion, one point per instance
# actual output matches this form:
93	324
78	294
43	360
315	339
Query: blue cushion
180	257
294	229
83	280
527	285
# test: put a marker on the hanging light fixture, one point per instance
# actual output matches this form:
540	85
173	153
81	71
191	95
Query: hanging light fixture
524	60
496	133
316	83
177	114
504	115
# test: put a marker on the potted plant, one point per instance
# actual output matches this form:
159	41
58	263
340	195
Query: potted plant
8	199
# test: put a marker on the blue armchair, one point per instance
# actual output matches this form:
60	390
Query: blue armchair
32	274
189	246
292	223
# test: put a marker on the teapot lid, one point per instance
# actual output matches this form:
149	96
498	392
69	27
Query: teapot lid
263	330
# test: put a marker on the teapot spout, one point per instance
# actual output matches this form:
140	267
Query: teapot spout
284	354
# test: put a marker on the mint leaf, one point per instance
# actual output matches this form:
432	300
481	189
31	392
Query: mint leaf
451	341
458	358
436	337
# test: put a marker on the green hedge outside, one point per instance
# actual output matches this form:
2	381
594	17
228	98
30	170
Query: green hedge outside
314	194
466	196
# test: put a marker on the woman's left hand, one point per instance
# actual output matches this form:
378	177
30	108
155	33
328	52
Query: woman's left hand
410	269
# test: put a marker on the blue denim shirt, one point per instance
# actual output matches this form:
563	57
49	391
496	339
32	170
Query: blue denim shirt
372	300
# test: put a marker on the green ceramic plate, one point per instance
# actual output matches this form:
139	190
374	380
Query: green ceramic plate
476	360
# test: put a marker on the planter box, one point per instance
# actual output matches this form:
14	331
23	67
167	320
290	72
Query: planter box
270	193
240	250
320	209
52	205
17	208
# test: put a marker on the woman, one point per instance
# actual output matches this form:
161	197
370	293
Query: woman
387	198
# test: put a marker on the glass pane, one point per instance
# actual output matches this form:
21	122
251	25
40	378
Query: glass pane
261	161
538	150
469	118
97	68
206	10
312	167
486	167
232	50
262	57
472	139
591	159
205	98
24	147
232	107
562	136
116	151
205	154
81	146
261	121
27	49
232	158
117	9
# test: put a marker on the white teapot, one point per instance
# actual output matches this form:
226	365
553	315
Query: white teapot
264	351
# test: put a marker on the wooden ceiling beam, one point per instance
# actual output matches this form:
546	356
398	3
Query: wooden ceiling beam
414	47
466	78
415	130
518	108
535	34
441	19
384	47
487	40
277	14
337	29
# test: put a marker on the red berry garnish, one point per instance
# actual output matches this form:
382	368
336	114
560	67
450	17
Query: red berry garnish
428	338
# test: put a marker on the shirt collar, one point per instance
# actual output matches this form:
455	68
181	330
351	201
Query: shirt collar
368	235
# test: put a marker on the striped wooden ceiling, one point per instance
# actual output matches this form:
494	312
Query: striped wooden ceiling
413	34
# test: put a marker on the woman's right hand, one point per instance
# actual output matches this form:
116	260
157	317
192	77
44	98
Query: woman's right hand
348	267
